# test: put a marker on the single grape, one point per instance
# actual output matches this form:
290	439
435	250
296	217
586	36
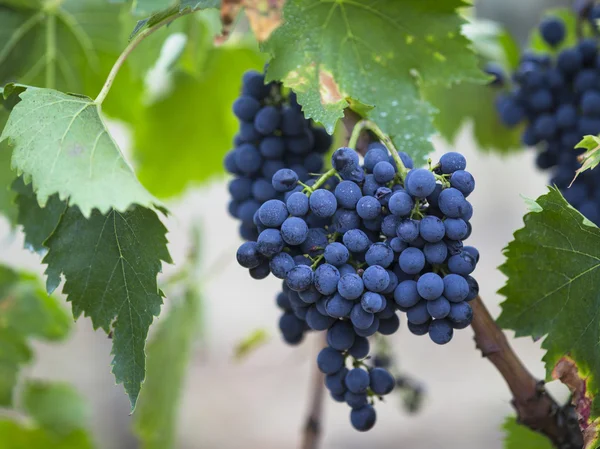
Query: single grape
281	264
360	318
419	329
330	361
270	242
372	302
456	228
246	107
326	279
384	172
341	335
350	286
299	278
355	400
360	348
294	231
357	380
371	330
368	207
430	286
335	383
440	331
553	30
406	294
273	213
376	152
248	255
462	263
363	418
432	229
452	202
463	181
438	308
379	253
401	204
420	183
317	320
451	162
285	180
261	271
347	194
338	307
460	312
267	120
435	253
412	260
381	381
297	204
418	313
389	326
456	288
408	229
376	278
356	241
310	295
323	203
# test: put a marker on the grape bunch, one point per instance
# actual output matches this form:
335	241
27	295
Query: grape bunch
273	134
359	244
558	100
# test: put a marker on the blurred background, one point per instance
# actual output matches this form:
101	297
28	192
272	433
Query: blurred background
261	401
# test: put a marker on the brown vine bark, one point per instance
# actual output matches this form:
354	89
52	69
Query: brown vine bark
535	408
312	428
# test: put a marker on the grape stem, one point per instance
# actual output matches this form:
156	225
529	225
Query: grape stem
535	407
322	180
369	125
132	46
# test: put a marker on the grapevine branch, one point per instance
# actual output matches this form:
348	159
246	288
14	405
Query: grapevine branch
535	408
132	46
312	427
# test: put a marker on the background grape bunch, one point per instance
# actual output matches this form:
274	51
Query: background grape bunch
557	98
359	244
273	134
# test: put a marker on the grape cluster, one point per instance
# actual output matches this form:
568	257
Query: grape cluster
358	245
273	134
558	99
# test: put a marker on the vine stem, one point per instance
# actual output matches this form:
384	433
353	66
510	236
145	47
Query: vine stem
535	408
130	47
312	427
369	125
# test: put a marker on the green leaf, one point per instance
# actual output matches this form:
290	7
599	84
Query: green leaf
372	51
149	6
169	352
59	46
7	176
470	102
57	420
15	435
591	158
250	343
553	286
61	144
38	223
27	312
110	263
521	437
167	162
55	406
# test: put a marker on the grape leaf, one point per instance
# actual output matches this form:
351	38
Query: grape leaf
27	312
16	435
553	285
149	6
475	103
168	172
7	196
521	437
591	158
57	419
110	263
61	144
38	223
169	352
372	51
41	399
58	46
